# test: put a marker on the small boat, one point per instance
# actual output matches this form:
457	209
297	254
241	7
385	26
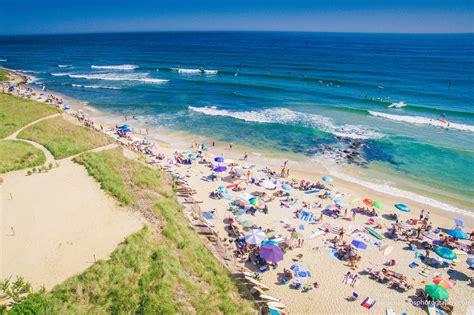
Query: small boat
257	283
375	233
276	305
269	298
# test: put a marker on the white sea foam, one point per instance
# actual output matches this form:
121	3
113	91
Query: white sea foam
95	87
181	70
116	67
389	190
289	117
194	71
64	66
419	120
118	77
60	74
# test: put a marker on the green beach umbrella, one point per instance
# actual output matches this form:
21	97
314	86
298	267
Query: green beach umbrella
436	291
445	253
257	202
377	204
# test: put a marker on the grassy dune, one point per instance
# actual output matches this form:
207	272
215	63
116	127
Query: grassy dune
17	155
63	138
163	269
3	75
16	112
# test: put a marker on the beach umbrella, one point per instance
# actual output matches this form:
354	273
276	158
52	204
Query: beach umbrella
402	207
268	184
222	188
271	253
328	179
470	262
377	204
286	186
257	202
386	250
459	222
255	237
278	182
457	234
443	282
445	253
358	244
246	223
368	202
220	169
219	159
437	292
269	242
340	203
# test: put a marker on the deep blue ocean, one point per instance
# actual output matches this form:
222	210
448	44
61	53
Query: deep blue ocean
322	95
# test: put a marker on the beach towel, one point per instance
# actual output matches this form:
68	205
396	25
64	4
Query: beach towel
307	216
413	265
310	192
368	303
301	227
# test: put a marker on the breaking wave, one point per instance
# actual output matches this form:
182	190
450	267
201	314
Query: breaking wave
194	71
95	87
419	120
64	66
289	117
118	77
116	67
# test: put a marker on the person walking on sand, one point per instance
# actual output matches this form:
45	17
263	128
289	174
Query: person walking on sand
285	163
287	173
422	214
245	156
230	146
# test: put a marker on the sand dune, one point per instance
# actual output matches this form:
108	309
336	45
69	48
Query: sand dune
56	224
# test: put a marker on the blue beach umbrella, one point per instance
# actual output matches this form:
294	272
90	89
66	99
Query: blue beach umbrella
269	242
358	244
457	234
445	253
220	169
328	179
219	159
286	186
402	207
470	262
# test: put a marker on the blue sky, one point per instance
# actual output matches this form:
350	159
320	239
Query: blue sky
77	16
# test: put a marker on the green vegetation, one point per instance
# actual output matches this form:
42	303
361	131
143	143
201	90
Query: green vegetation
3	75
163	269
17	155
63	138
16	112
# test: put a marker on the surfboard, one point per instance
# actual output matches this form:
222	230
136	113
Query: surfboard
269	298
375	233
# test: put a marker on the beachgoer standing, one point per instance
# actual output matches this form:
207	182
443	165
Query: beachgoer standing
245	156
422	214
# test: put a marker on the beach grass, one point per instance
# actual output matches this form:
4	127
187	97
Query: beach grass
163	269
17	155
3	75
63	138
16	112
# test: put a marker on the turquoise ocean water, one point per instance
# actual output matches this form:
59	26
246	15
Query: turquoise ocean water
321	95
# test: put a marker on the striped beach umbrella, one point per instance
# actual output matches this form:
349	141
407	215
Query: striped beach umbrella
257	202
443	282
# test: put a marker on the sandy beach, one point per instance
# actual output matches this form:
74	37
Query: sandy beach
312	247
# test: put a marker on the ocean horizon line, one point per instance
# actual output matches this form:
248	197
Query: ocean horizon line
234	31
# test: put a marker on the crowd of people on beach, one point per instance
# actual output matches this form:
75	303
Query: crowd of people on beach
260	187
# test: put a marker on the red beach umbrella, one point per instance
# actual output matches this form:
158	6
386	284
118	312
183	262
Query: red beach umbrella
368	202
